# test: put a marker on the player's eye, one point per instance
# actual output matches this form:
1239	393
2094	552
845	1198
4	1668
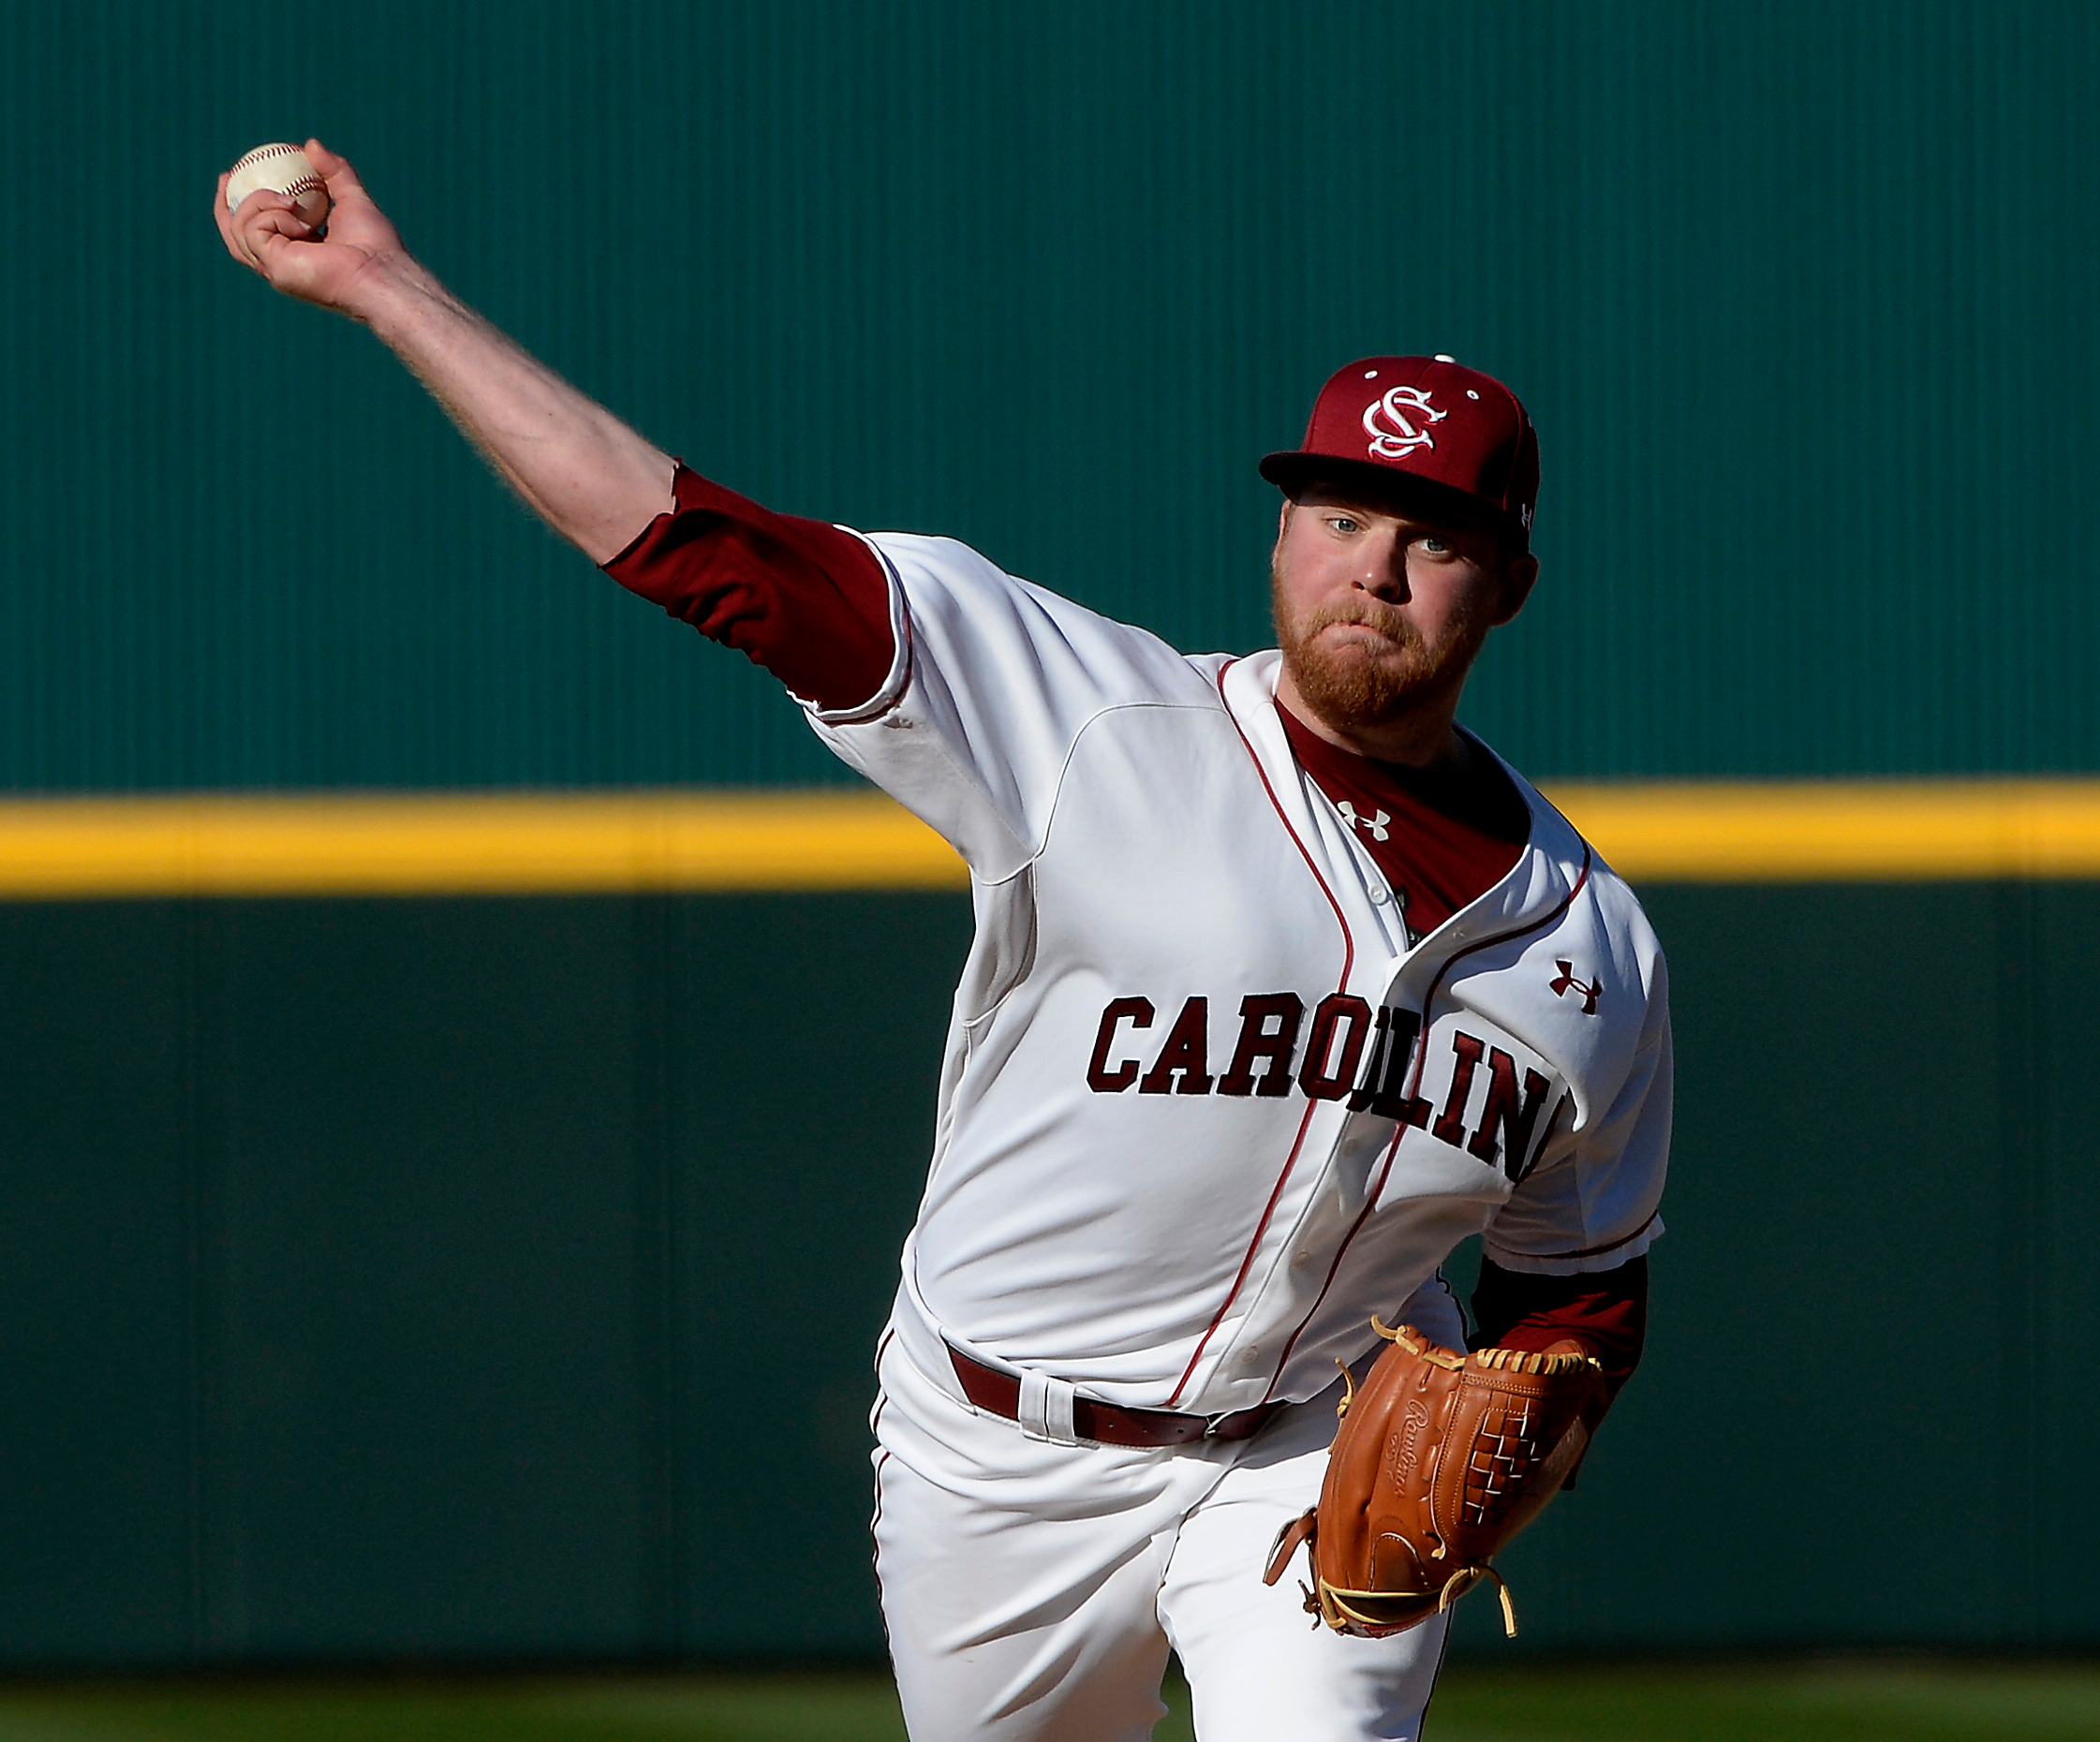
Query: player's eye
1342	523
1436	547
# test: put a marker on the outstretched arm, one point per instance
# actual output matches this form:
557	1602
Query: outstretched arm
587	475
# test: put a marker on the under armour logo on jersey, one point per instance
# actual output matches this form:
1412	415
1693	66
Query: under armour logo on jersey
1372	826
1565	982
1398	422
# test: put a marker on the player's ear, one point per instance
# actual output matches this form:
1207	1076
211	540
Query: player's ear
1518	576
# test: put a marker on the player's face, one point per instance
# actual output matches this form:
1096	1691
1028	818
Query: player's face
1378	613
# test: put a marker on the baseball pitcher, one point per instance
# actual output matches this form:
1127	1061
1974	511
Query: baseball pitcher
1283	984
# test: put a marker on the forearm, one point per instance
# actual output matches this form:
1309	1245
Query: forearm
589	476
805	600
1606	1312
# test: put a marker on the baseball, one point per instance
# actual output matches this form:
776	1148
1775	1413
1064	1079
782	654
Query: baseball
284	170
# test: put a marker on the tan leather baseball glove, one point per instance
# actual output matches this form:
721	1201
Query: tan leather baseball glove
1440	1460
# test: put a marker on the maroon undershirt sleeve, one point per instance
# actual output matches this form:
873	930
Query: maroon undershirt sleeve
1605	1312
808	602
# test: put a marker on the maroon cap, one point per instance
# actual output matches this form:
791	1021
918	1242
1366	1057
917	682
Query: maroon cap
1448	439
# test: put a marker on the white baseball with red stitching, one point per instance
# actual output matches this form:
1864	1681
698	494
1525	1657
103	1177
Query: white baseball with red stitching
284	170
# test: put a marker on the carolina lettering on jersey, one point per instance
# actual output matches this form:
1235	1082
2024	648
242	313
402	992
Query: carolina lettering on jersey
1352	1052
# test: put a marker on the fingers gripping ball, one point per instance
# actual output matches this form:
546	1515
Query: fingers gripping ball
284	170
1440	1460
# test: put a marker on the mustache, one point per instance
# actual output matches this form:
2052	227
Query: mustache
1368	612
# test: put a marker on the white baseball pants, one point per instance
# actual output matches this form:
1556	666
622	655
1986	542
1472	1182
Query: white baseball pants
1033	1590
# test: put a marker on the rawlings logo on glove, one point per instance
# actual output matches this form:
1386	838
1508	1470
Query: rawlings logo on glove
1440	1460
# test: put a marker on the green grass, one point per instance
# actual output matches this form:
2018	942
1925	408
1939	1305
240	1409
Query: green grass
1779	1702
1772	1703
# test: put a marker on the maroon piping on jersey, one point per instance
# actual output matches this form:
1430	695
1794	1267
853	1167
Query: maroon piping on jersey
893	582
1414	1084
1609	1246
1348	966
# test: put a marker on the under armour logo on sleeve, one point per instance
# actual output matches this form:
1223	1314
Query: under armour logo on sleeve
1373	826
1565	982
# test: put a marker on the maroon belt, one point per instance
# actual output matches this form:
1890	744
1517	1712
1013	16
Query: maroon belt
1105	1424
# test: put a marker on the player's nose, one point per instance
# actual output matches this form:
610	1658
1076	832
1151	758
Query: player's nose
1383	574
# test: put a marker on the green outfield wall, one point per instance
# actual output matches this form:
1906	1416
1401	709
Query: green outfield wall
1801	295
497	1279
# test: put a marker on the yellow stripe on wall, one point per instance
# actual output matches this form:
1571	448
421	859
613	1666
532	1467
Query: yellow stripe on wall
612	842
466	843
1841	830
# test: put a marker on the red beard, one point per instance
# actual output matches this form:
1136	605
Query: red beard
1359	686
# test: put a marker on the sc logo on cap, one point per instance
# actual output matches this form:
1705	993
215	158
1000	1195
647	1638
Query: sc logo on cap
1390	420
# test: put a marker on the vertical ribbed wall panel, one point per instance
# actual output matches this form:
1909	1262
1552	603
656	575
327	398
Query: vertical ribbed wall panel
1799	295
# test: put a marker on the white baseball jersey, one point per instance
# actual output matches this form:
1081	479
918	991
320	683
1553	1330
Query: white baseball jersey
1203	1110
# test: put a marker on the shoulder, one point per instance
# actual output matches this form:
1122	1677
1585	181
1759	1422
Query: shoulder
1600	912
966	611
